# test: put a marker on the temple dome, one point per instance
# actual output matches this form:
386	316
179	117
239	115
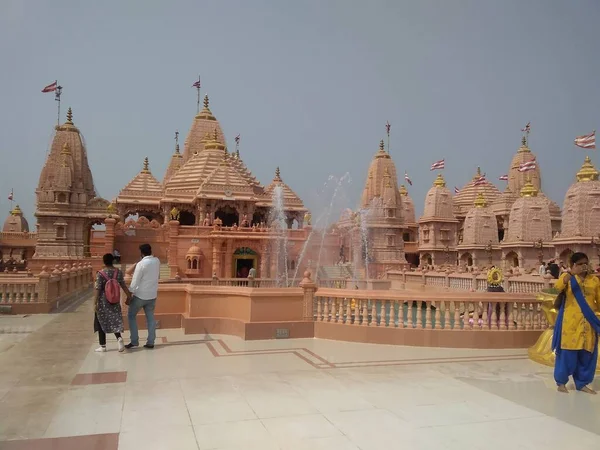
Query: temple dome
480	226
529	219
408	206
438	201
516	179
144	188
194	250
174	165
204	122
291	201
381	187
581	207
463	201
15	222
66	166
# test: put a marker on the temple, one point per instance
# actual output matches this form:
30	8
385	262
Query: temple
208	216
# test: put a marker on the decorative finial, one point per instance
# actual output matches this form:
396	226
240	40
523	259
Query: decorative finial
16	211
206	101
439	181
277	174
146	168
69	116
524	141
478	171
237	153
381	146
529	190
480	201
66	150
587	172
403	190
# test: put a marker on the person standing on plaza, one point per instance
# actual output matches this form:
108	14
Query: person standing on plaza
144	287
575	339
108	317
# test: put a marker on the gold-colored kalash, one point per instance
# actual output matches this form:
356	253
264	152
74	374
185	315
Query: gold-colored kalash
541	352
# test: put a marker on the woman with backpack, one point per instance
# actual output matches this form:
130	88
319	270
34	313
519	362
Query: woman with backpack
108	317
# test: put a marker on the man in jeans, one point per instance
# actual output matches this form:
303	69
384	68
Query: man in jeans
144	288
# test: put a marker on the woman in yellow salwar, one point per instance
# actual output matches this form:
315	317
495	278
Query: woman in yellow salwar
575	339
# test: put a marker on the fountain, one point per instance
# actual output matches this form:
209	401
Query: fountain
279	225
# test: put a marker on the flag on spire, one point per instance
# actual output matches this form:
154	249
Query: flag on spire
196	84
408	180
237	139
503	177
438	165
387	128
479	181
51	87
586	141
456	190
528	165
527	128
11	196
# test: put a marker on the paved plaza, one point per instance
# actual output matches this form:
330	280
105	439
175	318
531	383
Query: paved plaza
219	392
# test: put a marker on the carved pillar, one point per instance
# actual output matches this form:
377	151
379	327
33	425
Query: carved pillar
229	260
264	262
109	235
216	257
172	259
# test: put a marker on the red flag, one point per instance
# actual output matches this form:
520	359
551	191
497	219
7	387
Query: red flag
387	128
11	195
503	177
586	141
196	84
527	128
456	190
51	87
408	180
237	139
528	165
479	181
438	165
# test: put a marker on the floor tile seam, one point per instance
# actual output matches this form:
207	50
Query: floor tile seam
417	363
187	409
449	359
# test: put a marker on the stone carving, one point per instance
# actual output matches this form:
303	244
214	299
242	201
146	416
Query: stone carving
175	214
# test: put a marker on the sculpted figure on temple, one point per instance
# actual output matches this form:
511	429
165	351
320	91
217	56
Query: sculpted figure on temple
245	222
174	214
206	222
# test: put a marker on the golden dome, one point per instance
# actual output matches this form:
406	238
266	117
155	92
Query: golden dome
587	172
439	181
402	190
16	211
529	190
480	201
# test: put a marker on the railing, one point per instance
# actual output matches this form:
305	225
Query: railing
233	282
467	312
49	287
473	281
11	235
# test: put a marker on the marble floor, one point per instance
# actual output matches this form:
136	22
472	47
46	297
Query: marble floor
219	392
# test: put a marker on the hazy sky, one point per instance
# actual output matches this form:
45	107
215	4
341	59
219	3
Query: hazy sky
309	85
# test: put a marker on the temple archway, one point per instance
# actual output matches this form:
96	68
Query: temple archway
466	259
244	259
565	256
512	259
427	259
93	238
228	215
187	218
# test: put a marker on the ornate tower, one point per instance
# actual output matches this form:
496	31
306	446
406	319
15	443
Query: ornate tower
438	227
529	236
479	242
581	216
382	216
67	205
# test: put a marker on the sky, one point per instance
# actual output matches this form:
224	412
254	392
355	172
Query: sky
309	86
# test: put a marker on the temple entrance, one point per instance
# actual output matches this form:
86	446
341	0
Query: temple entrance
228	215
244	259
512	260
466	259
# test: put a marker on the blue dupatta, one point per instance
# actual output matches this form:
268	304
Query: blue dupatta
589	315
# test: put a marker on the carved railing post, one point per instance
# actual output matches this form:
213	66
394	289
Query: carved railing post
172	259
309	288
44	278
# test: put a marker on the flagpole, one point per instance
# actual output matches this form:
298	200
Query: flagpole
57	95
387	129
198	99
12	198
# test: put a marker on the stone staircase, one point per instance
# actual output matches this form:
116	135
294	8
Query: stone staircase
165	271
336	272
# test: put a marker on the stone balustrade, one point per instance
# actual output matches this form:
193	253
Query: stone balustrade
468	281
41	294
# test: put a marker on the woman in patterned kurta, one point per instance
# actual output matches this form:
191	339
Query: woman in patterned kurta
577	354
108	317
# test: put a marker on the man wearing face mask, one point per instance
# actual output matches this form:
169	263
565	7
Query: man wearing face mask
575	339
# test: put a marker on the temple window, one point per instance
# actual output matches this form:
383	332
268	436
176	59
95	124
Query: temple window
425	235
390	212
61	198
60	232
406	237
